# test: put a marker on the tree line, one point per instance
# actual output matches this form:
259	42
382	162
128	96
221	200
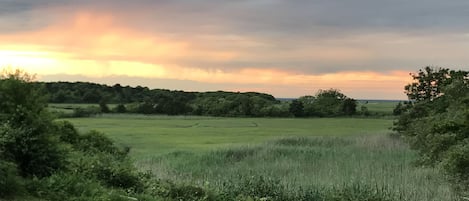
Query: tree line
143	100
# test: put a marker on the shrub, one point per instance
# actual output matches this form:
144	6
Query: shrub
86	112
120	109
116	173
73	187
456	164
100	158
36	153
67	132
10	182
95	142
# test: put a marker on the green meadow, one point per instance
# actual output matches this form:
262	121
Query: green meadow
378	107
155	135
288	155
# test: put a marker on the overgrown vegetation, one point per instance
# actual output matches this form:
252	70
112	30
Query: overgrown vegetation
435	121
142	100
159	101
45	159
326	103
51	160
377	167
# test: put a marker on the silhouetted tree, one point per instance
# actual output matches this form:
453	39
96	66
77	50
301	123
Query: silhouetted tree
296	108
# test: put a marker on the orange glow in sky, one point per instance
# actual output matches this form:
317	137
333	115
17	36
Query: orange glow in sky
97	46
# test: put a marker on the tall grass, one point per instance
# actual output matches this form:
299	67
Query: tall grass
378	164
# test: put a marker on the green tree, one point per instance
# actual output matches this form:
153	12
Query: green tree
120	108
436	121
329	102
349	106
103	106
296	108
399	109
308	104
26	135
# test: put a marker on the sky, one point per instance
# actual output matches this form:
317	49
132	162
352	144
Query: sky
287	48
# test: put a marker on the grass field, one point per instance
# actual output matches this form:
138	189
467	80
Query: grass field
376	163
278	155
378	107
155	135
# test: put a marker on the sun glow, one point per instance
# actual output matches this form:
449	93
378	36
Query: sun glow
98	46
26	59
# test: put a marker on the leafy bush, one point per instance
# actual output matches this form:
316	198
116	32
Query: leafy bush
98	157
86	112
456	164
73	187
25	131
96	142
436	121
10	182
36	153
67	132
120	109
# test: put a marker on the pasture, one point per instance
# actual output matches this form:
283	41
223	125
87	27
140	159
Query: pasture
378	107
154	135
274	154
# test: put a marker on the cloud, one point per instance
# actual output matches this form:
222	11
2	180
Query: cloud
295	43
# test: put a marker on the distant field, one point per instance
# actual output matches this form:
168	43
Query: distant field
382	107
154	135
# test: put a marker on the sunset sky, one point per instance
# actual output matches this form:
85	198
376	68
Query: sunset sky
288	48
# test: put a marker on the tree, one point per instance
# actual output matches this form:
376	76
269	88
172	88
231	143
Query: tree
120	108
329	102
308	104
429	83
436	121
26	134
103	106
349	106
296	108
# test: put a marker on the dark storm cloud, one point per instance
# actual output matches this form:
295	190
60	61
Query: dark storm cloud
301	17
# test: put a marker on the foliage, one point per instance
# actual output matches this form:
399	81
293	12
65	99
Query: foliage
428	83
297	108
36	153
103	106
436	121
456	164
10	183
120	109
75	187
160	101
53	159
26	134
326	103
86	112
66	132
400	108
